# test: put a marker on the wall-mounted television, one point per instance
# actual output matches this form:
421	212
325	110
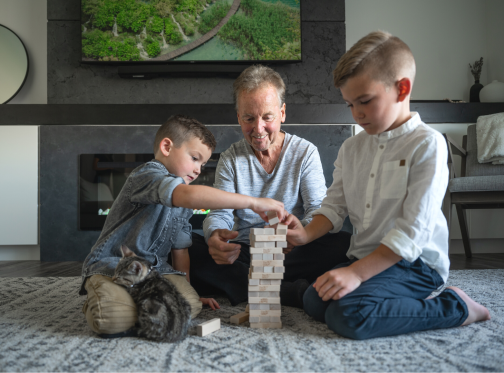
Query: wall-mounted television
139	32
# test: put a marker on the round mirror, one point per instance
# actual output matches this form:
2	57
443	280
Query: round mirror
13	64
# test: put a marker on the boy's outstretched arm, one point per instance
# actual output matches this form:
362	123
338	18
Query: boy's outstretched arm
339	282
200	196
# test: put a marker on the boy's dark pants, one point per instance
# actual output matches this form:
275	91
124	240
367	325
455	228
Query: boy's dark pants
303	262
390	303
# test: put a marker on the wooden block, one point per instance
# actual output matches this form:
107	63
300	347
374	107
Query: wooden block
270	276
253	294
256	269
254	319
262	245
267	263
263	294
279	269
208	327
275	319
267	256
268	270
269	231
272	218
275	307
256	231
281	244
281	229
277	256
247	309
266	313
254	281
266	250
258	256
264	307
239	318
275	282
263	319
264	300
267	237
269	325
264	288
264	282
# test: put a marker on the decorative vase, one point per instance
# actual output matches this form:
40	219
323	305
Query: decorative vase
493	92
475	91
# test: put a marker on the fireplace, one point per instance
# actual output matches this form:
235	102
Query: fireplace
102	176
61	236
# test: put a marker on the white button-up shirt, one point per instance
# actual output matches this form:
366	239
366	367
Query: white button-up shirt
392	186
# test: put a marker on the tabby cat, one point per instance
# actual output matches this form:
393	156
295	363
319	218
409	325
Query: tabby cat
163	314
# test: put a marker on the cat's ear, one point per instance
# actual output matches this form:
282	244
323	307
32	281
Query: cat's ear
136	267
126	251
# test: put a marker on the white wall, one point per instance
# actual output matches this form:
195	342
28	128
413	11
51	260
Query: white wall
495	34
28	19
445	36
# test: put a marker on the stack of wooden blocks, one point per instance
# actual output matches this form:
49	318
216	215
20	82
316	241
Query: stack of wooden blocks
266	273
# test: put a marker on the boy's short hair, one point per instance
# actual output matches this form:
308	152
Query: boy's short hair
257	76
381	55
181	128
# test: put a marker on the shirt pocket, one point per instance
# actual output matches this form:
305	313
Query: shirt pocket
394	179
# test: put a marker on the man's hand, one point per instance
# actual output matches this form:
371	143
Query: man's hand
296	234
337	283
262	205
210	302
220	250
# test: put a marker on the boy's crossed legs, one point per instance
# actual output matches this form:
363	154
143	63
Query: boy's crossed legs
394	302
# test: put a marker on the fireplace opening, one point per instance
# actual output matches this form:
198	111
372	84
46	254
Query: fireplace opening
102	176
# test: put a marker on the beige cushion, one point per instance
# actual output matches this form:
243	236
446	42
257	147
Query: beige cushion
109	309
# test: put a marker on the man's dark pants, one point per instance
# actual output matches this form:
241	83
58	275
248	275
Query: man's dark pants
304	262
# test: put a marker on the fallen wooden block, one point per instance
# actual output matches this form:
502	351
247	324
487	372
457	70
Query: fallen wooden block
239	318
268	325
208	327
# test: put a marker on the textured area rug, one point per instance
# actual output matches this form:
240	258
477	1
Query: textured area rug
42	328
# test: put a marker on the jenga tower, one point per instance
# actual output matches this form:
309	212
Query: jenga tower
266	272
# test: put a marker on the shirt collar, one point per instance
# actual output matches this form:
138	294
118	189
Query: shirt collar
410	125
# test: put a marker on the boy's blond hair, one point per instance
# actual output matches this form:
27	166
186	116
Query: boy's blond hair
384	57
181	128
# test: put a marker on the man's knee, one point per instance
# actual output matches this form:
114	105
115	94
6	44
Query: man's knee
187	291
346	321
109	309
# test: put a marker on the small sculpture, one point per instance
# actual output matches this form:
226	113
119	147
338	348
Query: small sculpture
476	69
476	87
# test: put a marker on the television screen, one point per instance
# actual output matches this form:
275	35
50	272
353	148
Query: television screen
164	31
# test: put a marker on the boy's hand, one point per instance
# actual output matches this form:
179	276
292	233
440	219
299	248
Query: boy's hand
212	303
263	205
220	250
337	283
296	234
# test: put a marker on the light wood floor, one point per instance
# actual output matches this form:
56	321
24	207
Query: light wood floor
35	268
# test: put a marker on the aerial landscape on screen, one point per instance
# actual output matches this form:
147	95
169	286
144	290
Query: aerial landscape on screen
190	30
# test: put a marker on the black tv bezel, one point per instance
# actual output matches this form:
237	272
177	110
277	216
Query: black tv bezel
197	62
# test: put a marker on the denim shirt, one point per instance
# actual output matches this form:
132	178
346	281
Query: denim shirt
143	218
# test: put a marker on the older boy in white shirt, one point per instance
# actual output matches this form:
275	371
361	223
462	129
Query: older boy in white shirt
390	180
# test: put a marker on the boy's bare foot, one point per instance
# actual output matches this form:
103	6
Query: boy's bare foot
477	312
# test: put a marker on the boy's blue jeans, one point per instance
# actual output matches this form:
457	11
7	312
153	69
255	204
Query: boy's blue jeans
390	303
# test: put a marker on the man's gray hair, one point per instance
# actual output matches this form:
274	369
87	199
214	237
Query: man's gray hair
257	76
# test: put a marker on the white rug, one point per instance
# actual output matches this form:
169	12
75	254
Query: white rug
42	329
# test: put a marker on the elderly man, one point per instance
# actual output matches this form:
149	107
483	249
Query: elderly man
267	162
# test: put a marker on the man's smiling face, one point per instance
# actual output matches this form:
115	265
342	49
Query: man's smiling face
261	116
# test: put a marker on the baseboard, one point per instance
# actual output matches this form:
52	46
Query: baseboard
21	252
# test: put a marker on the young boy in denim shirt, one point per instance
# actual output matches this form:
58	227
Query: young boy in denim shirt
390	180
151	217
